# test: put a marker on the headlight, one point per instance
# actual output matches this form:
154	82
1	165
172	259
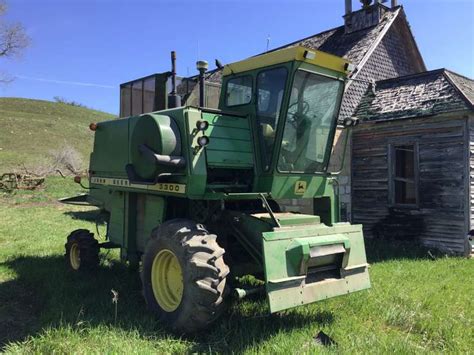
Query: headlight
203	141
351	121
202	125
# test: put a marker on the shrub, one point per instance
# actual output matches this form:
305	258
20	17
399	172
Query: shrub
62	100
66	159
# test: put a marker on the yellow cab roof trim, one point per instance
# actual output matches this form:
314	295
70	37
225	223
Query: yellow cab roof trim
297	53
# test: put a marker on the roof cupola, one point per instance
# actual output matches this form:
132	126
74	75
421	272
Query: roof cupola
369	15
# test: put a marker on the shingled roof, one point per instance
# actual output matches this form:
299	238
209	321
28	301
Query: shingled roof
420	95
464	84
353	46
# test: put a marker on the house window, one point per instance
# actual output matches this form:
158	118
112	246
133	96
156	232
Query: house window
404	173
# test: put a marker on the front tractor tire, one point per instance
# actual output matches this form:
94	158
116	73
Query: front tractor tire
82	250
184	276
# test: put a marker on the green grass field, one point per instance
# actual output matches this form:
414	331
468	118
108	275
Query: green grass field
31	129
416	304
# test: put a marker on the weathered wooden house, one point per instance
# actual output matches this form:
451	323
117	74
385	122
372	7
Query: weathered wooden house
413	160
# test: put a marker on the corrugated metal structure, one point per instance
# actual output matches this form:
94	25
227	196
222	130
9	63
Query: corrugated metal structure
412	161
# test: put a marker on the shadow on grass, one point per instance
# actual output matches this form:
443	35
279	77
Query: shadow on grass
47	295
19	310
89	216
380	249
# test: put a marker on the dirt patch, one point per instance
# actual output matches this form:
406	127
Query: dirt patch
39	204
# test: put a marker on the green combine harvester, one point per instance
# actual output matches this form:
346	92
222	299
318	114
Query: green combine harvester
193	193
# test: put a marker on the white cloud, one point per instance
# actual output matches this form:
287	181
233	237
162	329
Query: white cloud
65	82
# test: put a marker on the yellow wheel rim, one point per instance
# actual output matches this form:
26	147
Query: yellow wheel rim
75	256
167	280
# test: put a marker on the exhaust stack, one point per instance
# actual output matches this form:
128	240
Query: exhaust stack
174	100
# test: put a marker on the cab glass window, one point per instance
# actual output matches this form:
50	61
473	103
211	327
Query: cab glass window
270	90
310	122
239	91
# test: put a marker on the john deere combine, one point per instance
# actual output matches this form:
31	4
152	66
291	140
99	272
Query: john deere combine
192	193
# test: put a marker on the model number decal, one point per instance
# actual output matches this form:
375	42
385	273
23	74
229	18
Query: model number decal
179	188
164	187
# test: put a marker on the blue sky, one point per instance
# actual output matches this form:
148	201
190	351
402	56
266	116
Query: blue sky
83	49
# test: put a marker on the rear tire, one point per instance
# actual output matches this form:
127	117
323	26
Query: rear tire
82	250
184	276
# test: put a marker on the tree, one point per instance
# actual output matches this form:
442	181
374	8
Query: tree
13	38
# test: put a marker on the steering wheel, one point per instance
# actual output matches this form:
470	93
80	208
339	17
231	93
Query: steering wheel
305	107
297	116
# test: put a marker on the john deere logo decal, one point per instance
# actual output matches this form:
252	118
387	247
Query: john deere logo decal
300	187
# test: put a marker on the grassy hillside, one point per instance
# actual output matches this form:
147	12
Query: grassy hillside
31	129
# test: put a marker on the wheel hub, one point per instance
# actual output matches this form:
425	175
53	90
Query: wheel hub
167	280
75	256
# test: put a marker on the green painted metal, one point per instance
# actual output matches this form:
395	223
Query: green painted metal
110	153
158	132
230	141
303	258
150	213
291	255
291	219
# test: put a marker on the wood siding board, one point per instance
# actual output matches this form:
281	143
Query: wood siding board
470	152
440	219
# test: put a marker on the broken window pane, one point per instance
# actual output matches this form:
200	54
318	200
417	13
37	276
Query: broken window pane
404	162
405	192
404	175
